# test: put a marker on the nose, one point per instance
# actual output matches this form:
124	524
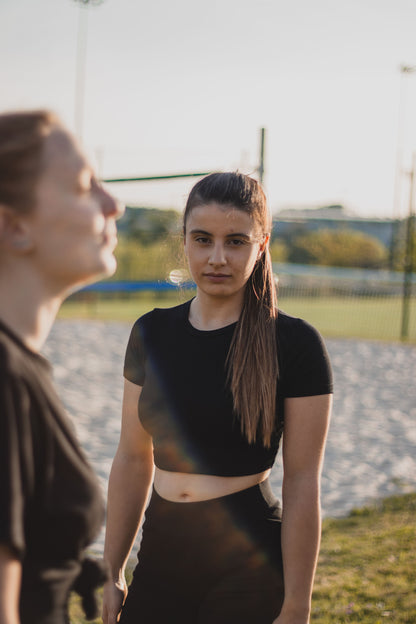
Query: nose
217	256
110	206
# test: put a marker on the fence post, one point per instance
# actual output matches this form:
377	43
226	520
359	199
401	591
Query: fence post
408	263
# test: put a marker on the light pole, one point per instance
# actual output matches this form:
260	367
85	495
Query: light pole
81	58
405	71
261	158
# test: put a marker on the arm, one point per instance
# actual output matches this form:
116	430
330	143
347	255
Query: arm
305	431
129	484
10	578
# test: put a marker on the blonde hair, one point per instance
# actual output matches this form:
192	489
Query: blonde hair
22	137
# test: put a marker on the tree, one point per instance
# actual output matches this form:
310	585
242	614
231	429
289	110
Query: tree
342	248
154	261
150	225
278	251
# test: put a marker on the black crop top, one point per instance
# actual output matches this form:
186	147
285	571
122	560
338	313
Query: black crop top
185	403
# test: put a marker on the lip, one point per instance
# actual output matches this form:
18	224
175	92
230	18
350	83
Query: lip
216	277
110	240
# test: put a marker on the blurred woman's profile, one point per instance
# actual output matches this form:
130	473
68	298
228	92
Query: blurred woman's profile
57	232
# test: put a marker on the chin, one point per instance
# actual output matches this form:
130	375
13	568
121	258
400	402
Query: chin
108	266
218	290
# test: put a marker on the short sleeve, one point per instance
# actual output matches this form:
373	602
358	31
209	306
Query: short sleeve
306	367
16	463
135	358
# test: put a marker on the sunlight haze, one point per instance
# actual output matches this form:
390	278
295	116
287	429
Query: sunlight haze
185	86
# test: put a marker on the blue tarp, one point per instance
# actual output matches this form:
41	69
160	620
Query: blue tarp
133	286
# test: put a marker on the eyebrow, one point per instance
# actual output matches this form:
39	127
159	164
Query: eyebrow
232	235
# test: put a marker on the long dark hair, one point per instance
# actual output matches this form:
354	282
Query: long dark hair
252	366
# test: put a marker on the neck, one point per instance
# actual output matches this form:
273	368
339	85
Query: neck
209	313
27	308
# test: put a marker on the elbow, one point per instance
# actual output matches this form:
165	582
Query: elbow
134	462
302	491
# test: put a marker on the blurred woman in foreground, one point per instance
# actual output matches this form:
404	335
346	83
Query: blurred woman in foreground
57	232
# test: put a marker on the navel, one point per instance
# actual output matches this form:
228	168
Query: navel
185	497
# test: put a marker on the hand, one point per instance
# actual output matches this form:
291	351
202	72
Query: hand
114	595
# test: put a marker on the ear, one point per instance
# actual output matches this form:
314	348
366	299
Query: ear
263	245
14	231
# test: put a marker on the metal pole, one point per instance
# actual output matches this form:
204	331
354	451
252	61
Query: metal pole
261	164
405	70
81	62
408	266
159	177
80	72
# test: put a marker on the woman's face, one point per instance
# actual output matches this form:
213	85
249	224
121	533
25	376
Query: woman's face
222	245
72	225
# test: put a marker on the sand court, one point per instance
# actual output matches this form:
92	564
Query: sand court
371	449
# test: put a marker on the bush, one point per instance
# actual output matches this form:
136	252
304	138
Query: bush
278	251
149	225
149	262
342	248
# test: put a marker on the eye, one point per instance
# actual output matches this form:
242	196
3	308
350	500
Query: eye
85	183
236	242
202	240
84	190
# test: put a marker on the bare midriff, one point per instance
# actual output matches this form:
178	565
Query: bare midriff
180	487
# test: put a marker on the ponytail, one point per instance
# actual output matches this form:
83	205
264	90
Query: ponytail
252	365
252	358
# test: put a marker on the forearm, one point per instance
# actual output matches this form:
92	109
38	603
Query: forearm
10	581
128	490
301	529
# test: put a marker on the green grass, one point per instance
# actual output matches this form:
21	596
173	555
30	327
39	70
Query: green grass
111	309
366	567
374	318
344	317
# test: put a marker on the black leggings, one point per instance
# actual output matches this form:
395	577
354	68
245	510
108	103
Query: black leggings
211	562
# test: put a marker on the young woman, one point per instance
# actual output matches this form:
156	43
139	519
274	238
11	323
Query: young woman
210	386
57	232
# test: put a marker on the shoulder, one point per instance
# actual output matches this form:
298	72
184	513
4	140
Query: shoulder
156	325
4	354
151	333
17	361
160	318
304	363
26	385
293	331
14	391
11	359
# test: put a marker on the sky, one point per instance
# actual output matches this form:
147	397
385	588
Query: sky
182	86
